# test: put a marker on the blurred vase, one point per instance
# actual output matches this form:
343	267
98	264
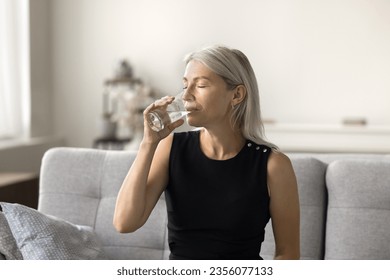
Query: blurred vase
107	128
135	140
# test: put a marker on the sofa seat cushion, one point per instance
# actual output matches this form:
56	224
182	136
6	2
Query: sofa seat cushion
358	219
310	175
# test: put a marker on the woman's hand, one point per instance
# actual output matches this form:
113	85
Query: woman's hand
151	136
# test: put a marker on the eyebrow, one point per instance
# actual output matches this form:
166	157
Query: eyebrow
198	78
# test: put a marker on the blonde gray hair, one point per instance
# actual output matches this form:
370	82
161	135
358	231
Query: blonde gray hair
235	69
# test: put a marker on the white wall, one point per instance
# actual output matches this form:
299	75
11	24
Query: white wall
316	61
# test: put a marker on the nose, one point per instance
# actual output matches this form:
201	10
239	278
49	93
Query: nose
187	96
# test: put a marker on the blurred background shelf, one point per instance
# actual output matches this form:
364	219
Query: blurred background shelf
330	138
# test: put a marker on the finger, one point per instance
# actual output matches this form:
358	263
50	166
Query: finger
164	101
150	108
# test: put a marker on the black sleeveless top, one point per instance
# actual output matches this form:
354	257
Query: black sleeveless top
217	209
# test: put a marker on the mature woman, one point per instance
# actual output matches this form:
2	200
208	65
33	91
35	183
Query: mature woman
222	182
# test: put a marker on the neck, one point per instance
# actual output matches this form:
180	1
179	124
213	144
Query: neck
221	144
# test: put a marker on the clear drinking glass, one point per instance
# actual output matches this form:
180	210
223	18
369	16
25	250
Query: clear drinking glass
158	119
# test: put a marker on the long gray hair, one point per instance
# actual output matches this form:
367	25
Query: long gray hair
234	67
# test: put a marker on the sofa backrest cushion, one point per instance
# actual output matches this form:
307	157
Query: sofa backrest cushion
310	175
358	219
81	186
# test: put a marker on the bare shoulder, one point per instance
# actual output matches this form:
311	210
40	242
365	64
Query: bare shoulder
280	172
158	174
165	145
278	163
163	151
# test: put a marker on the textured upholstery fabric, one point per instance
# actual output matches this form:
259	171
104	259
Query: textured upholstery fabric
8	248
358	220
330	157
81	186
310	175
41	237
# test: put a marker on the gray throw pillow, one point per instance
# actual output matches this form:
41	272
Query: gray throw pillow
43	237
8	248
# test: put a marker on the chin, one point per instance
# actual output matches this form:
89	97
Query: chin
192	122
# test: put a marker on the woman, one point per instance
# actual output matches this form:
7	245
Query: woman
222	182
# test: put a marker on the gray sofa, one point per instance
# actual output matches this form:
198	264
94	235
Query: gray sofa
344	198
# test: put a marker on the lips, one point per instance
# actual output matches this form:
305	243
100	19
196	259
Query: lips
191	109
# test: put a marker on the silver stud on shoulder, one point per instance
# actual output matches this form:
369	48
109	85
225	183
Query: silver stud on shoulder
264	150
249	145
257	148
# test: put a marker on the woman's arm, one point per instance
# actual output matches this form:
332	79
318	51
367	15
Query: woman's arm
147	177
284	206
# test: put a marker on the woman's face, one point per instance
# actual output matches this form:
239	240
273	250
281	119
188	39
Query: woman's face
206	95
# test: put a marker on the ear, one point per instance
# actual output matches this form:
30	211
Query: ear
239	94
